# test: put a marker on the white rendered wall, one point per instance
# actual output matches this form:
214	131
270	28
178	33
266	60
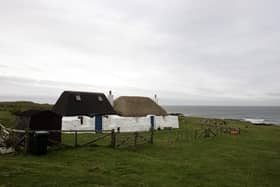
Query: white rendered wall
133	124
74	123
126	124
166	122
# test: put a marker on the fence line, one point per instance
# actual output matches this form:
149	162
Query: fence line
132	139
190	134
119	139
56	131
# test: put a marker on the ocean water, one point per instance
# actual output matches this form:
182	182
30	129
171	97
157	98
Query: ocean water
269	115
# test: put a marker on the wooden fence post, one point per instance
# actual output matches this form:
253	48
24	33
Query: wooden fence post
135	139
207	132
76	138
113	138
177	136
26	141
152	136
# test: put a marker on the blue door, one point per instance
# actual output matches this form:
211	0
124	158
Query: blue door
152	122
98	123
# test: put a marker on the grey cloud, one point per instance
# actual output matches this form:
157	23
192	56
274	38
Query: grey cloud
3	66
274	94
197	52
17	88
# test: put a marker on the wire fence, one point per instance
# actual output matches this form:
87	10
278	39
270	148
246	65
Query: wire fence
19	139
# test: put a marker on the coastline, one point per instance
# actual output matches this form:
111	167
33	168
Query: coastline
253	122
252	114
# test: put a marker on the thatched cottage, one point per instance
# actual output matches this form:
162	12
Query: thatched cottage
92	111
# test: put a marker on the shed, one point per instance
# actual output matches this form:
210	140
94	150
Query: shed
135	106
76	103
40	120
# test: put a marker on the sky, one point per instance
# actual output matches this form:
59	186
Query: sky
188	52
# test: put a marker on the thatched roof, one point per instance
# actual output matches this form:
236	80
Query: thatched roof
133	106
74	103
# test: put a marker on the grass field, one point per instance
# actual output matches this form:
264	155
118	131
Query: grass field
249	159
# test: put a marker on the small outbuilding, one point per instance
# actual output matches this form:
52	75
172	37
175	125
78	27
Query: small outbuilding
40	120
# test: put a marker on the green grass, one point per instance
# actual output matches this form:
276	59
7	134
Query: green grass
176	159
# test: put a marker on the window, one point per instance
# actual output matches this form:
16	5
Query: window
78	98
81	118
100	98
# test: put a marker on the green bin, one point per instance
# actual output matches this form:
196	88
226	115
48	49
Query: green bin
39	142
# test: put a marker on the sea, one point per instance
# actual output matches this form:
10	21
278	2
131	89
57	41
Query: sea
253	114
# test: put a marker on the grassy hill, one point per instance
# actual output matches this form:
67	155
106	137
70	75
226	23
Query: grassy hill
8	109
176	159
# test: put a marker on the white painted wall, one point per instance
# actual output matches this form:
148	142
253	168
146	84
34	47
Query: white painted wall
166	122
74	123
126	124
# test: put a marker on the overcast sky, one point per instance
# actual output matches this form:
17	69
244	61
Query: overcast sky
193	52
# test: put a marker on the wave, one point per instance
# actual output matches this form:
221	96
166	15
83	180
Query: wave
254	120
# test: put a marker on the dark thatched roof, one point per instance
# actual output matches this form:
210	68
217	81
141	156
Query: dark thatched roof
134	106
73	103
29	113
